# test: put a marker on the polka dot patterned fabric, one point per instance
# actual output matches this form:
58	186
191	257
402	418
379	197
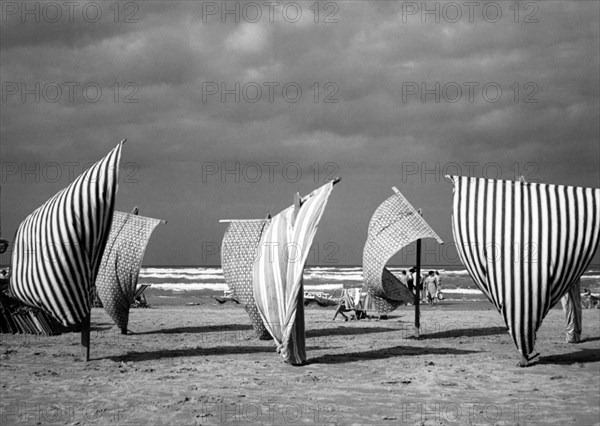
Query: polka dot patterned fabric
117	279
394	225
238	254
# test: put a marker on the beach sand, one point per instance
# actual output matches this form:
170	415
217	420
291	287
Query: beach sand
202	364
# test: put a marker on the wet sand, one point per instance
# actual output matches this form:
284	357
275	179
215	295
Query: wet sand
201	364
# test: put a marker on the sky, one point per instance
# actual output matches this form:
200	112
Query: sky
229	108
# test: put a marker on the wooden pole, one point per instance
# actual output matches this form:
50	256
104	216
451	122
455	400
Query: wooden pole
85	339
417	283
417	286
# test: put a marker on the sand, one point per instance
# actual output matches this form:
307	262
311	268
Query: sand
202	364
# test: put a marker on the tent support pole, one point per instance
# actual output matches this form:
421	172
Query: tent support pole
85	339
417	283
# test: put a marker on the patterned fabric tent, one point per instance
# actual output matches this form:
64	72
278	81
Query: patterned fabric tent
394	225
121	263
524	245
278	287
58	248
239	251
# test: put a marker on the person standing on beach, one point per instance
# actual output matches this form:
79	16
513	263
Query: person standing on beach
431	288
412	285
571	303
438	283
403	277
410	280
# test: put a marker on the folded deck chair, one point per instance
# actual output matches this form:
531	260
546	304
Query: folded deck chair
59	247
278	272
351	301
18	318
141	289
394	225
118	275
525	245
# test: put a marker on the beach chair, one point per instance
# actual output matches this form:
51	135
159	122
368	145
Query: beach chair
350	301
139	299
228	296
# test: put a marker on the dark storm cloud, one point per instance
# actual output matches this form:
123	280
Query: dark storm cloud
169	60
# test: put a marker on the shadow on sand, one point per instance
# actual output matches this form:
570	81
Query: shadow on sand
209	328
461	332
582	356
101	326
344	331
198	351
384	353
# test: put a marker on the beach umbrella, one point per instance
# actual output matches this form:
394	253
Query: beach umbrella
120	268
58	248
278	271
524	245
394	225
239	251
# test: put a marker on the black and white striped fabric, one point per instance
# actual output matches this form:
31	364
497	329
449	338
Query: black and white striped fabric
524	244
59	247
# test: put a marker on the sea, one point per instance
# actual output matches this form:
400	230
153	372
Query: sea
175	281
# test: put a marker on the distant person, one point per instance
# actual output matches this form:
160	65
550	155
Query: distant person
410	280
422	292
415	284
403	277
431	287
571	303
438	282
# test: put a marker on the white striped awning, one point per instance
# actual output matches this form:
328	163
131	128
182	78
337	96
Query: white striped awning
278	288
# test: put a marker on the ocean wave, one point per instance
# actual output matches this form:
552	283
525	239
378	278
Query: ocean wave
333	267
334	277
183	276
323	287
462	290
179	287
184	270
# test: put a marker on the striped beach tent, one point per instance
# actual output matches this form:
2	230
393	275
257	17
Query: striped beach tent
239	251
524	245
394	225
58	248
118	275
278	287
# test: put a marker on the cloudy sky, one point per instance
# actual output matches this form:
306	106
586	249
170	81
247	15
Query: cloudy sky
229	108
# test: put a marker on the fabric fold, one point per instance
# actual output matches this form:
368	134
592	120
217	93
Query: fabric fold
59	247
278	287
